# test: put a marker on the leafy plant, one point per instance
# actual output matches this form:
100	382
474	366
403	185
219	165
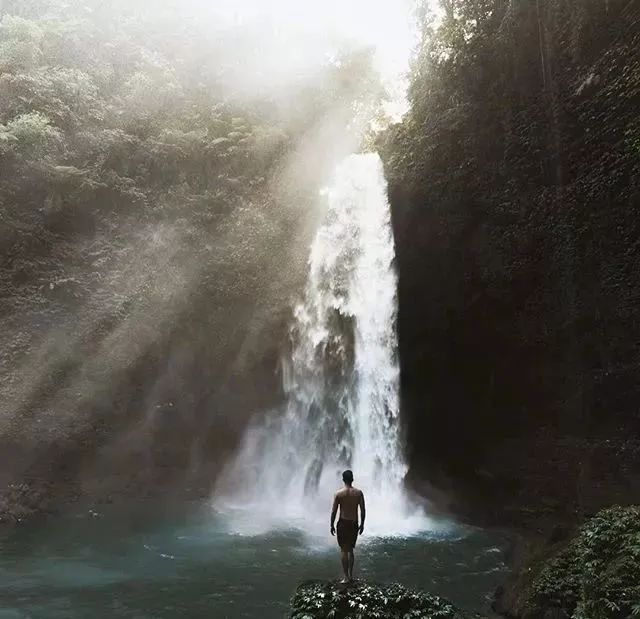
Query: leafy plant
597	576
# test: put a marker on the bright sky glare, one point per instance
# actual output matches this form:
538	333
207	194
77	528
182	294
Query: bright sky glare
386	25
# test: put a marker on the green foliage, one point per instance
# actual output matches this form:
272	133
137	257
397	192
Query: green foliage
20	41
80	78
29	134
318	600
67	96
633	138
597	576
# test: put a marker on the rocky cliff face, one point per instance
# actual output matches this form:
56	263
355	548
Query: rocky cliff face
515	186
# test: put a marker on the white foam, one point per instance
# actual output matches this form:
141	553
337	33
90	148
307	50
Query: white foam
341	379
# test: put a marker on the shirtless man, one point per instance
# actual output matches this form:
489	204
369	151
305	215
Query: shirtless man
348	499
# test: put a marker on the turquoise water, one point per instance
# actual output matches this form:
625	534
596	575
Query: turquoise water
145	565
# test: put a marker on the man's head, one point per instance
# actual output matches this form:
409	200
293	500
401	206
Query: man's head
347	477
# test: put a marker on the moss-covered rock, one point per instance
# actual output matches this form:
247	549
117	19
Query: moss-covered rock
595	576
330	600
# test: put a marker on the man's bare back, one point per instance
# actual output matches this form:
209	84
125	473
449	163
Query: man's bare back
348	500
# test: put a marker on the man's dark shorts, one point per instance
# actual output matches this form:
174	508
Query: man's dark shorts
347	531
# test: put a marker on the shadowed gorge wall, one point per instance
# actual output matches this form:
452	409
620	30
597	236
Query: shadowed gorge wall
514	183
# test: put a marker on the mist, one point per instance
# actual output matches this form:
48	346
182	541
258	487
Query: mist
161	180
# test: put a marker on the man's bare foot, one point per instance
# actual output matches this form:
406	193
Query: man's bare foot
345	581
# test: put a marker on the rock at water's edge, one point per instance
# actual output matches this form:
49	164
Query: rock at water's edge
361	600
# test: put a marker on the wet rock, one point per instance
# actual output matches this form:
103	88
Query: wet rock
362	600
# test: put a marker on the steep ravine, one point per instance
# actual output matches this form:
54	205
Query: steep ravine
514	185
148	267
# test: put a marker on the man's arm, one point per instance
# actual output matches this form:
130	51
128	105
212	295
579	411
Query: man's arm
334	511
363	513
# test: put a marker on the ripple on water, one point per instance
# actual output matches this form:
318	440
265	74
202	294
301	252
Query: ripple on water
195	567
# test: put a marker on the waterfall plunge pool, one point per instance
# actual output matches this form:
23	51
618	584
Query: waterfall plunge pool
144	565
342	411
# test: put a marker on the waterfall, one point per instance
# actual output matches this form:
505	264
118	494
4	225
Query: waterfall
341	376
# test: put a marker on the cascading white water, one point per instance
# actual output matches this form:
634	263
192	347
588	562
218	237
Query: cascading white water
341	376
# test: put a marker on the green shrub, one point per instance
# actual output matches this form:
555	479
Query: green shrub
597	576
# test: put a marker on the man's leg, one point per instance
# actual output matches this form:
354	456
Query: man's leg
351	562
344	554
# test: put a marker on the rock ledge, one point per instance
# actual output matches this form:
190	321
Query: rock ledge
361	600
